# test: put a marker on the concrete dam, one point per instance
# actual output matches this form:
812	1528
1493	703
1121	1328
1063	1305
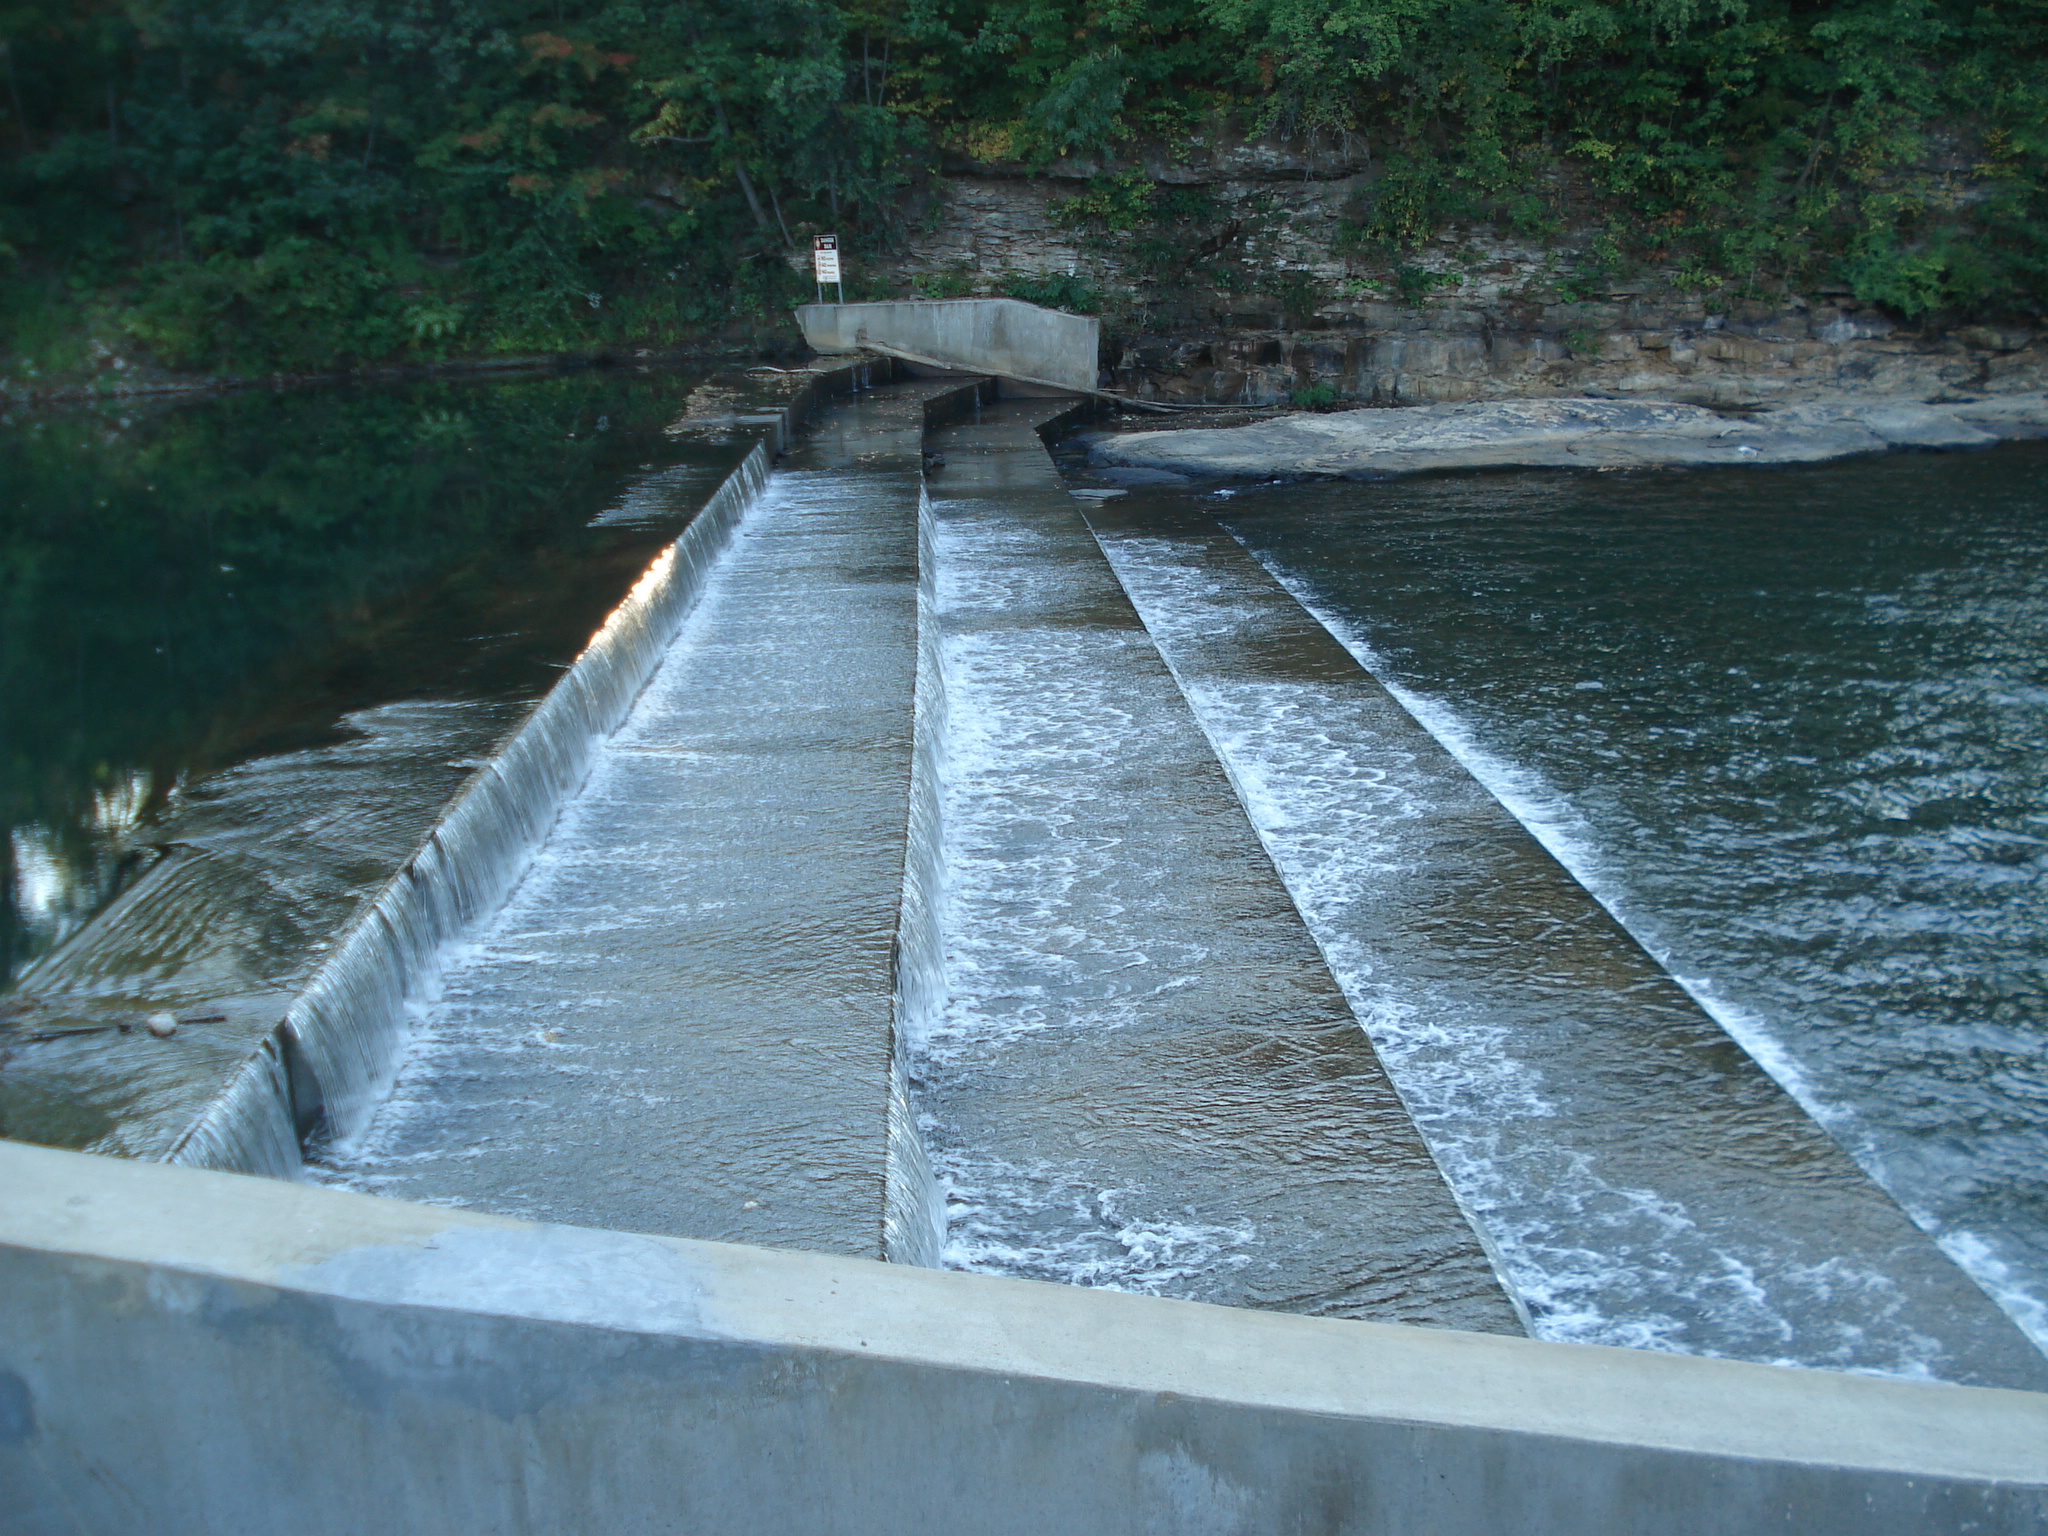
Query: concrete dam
927	882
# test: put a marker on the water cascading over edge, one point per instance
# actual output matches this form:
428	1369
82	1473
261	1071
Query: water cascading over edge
914	1219
320	1074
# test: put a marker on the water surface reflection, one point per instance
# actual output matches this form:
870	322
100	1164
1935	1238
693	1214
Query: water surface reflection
197	586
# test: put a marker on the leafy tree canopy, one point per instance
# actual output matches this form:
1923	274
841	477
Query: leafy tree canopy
297	183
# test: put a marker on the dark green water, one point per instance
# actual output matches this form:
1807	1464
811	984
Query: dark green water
195	590
1792	726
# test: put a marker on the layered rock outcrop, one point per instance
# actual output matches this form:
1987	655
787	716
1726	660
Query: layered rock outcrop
1624	347
1486	315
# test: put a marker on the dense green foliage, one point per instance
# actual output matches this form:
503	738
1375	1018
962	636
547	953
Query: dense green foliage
292	183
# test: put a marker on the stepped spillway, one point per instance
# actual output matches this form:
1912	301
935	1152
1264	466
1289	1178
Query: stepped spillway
1143	1075
682	1021
1643	1179
916	912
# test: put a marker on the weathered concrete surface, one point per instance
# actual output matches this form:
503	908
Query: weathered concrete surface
1564	433
188	1353
1000	336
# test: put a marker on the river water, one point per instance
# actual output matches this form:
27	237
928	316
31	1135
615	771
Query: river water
1789	727
1786	727
253	645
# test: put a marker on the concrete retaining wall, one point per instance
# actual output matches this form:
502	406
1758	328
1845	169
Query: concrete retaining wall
1000	336
186	1352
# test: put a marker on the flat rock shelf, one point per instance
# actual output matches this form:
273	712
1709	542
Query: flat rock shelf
1563	434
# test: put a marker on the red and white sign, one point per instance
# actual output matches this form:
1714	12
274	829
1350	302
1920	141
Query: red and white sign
825	257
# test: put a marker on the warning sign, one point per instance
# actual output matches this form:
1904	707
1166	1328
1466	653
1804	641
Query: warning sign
825	257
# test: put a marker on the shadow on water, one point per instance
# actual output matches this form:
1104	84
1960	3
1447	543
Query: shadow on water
196	587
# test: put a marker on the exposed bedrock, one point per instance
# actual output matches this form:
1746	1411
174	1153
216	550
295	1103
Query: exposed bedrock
1490	315
1563	433
1491	346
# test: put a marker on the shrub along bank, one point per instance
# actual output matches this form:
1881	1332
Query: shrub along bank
301	185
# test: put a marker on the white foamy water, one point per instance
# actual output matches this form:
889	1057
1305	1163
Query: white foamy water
478	1027
1032	720
1597	1258
1566	835
1575	844
681	1021
1001	1217
1142	1075
463	1036
1569	838
1789	731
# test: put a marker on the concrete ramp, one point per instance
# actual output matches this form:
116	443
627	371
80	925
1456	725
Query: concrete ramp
1005	337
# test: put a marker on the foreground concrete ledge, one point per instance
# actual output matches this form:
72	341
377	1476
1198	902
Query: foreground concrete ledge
1568	434
240	1353
1006	337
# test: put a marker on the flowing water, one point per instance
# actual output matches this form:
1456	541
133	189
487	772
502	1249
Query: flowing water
781	887
915	909
1790	728
1143	1076
683	1020
254	647
1642	1180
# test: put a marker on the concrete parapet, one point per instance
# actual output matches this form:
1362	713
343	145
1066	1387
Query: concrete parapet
1000	336
187	1352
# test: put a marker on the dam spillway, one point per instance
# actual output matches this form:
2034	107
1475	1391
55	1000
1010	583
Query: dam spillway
1144	1075
1643	1180
1057	979
339	678
1018	987
683	1019
686	1018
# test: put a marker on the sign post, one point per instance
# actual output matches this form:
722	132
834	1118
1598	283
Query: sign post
825	263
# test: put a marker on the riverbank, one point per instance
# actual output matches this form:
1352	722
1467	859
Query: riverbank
1493	344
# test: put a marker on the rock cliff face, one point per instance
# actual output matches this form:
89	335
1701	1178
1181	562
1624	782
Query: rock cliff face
1626	346
1484	315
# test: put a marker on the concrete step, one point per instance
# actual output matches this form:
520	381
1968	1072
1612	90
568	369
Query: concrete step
1644	1180
1144	1075
682	1022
